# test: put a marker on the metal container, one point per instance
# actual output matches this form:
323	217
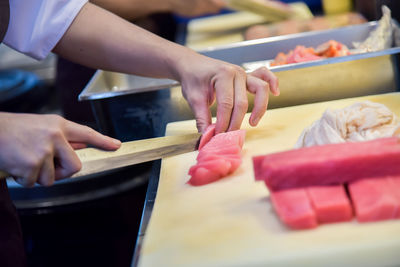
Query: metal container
120	100
74	191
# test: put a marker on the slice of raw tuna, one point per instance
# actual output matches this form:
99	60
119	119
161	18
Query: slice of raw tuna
228	149
302	54
330	203
226	139
207	135
373	199
234	159
204	156
294	208
203	176
328	164
218	157
220	166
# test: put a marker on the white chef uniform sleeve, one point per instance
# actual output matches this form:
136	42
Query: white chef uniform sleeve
36	26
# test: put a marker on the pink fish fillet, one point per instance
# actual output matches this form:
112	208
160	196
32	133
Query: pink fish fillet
294	208
328	164
330	203
219	155
207	135
373	199
220	166
395	185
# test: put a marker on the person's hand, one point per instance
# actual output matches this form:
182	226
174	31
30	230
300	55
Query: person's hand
205	80
40	148
192	8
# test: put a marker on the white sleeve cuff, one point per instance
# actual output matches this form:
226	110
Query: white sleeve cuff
36	26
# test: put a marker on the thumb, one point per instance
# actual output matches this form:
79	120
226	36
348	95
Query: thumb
78	134
202	114
199	101
203	117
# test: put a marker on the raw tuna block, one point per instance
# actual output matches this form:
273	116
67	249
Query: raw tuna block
330	203
395	185
328	164
294	208
373	199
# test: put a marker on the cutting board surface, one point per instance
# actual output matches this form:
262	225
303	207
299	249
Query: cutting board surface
231	222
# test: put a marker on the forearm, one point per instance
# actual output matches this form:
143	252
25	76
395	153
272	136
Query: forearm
99	39
133	9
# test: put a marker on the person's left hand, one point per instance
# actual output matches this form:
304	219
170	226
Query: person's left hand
206	80
39	148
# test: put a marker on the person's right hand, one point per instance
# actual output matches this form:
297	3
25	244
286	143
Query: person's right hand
192	8
40	148
205	80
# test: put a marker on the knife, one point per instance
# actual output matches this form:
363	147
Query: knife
95	160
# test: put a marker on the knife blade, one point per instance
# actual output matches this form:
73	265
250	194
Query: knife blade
96	160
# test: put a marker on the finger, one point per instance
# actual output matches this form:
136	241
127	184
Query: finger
261	91
269	77
77	133
224	88
240	101
67	162
203	118
76	145
25	182
27	174
200	107
47	172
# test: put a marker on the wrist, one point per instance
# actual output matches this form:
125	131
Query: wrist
179	61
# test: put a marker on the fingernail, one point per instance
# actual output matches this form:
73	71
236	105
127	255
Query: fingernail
117	142
254	121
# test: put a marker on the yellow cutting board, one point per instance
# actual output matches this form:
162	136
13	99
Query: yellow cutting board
231	222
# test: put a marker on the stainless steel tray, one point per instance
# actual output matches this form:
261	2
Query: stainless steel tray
301	83
109	84
105	84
